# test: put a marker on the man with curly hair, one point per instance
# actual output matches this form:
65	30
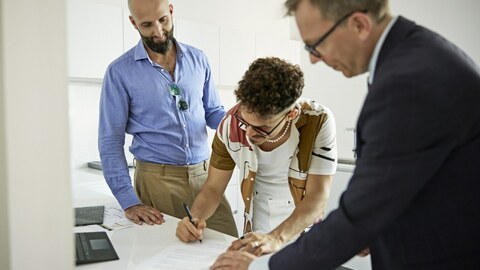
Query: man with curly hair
285	149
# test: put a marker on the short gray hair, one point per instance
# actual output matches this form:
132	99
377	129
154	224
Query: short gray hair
336	9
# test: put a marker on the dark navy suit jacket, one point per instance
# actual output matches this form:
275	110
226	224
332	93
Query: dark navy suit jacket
414	197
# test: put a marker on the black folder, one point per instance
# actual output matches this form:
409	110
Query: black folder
93	247
89	215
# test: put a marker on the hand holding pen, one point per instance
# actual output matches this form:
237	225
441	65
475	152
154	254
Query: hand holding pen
188	229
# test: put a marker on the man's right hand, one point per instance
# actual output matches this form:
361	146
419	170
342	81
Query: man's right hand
364	252
188	232
140	214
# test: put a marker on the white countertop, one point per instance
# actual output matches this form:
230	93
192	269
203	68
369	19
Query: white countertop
137	244
133	245
346	165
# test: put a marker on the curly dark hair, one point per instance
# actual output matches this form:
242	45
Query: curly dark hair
269	86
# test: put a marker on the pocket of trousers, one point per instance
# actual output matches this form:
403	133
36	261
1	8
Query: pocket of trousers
280	209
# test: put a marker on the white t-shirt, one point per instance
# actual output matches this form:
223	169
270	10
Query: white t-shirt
272	199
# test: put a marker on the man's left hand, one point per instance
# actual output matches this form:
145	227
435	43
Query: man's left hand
235	260
256	244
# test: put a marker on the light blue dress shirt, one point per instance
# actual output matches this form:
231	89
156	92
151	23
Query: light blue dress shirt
136	99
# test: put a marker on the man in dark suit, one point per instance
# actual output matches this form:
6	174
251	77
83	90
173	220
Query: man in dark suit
413	198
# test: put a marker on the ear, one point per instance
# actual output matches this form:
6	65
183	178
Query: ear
170	9
293	113
361	24
132	20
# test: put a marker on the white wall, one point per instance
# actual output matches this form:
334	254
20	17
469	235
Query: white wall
264	17
4	226
83	108
458	21
36	209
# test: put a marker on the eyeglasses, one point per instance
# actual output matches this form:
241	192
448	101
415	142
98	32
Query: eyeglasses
182	104
312	49
257	129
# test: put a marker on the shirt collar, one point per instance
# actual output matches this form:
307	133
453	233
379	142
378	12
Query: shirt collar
373	60
141	52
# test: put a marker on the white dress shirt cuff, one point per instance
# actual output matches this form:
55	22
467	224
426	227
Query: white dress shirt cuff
261	263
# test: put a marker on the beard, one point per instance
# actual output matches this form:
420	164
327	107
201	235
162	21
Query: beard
159	47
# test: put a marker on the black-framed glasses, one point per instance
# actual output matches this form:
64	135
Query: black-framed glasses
312	49
176	92
257	129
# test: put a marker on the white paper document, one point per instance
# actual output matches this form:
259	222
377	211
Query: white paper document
183	256
114	218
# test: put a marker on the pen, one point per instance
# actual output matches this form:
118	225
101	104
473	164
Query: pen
189	214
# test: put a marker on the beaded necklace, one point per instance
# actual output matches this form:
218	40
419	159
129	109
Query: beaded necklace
283	134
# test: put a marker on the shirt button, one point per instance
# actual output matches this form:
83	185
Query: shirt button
163	70
186	145
184	126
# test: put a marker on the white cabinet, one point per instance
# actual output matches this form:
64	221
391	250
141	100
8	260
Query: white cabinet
279	47
339	184
231	51
94	37
100	32
237	52
203	36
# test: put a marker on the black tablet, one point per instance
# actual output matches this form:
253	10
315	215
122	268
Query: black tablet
93	247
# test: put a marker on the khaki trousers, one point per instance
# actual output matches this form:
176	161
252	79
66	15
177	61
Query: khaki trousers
167	187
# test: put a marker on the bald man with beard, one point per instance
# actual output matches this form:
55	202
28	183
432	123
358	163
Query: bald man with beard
162	93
